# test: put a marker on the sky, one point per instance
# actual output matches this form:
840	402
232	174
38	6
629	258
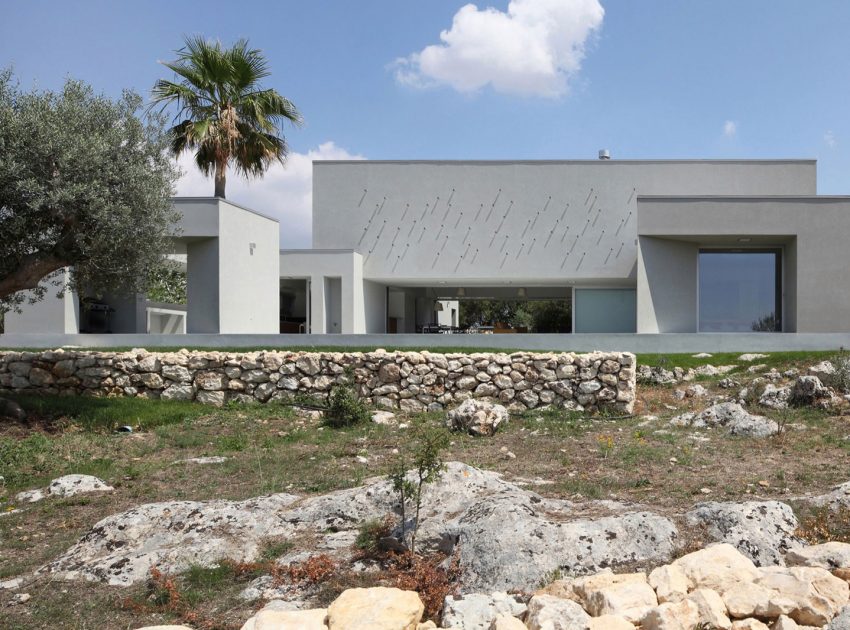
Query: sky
497	79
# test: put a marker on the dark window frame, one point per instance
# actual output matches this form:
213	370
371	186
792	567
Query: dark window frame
778	253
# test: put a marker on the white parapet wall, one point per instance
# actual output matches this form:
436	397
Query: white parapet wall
410	381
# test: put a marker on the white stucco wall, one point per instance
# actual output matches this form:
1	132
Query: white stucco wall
317	265
51	314
249	277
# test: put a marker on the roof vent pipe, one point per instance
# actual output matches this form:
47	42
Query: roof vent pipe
604	154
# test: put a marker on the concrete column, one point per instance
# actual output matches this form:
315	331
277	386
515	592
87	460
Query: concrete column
317	305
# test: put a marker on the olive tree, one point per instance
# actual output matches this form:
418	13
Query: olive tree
85	183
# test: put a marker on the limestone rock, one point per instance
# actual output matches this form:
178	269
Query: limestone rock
70	485
683	615
712	609
775	397
377	608
478	611
477	417
506	622
30	496
815	594
838	498
383	417
609	622
287	620
550	613
761	530
733	417
840	621
121	549
822	368
752	356
749	624
626	595
271	619
511	537
830	555
717	567
670	583
808	390
749	599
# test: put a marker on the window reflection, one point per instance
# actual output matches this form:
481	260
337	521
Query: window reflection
739	291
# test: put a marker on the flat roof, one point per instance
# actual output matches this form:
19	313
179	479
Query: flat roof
227	201
582	162
743	197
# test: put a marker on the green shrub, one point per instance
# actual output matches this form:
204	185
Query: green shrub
345	408
840	378
370	534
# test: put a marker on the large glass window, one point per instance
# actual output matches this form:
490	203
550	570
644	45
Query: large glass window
740	290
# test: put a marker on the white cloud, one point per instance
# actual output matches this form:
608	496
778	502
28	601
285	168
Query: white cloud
531	49
829	139
730	128
285	192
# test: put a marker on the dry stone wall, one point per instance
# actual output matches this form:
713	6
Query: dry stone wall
410	381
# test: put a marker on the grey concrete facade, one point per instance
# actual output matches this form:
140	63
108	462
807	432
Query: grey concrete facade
812	233
394	242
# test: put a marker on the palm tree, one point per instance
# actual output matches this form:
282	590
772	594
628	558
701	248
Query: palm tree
223	112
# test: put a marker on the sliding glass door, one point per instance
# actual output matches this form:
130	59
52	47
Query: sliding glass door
740	290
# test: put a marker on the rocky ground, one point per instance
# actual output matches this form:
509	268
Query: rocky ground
208	518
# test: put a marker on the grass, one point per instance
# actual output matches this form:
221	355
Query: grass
271	448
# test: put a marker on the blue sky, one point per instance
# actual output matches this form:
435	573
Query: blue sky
550	79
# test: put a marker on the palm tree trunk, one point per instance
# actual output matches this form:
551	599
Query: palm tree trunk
220	178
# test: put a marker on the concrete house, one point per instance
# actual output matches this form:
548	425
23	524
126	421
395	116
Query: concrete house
636	246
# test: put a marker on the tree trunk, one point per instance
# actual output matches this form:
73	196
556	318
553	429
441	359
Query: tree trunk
220	178
29	273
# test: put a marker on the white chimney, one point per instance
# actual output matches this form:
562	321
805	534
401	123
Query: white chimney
604	154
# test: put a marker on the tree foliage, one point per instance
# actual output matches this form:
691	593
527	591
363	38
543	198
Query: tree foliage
539	316
224	114
84	183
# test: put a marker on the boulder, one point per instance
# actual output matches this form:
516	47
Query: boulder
609	622
12	410
712	609
506	622
830	555
761	530
731	416
749	599
477	417
838	498
749	624
775	397
683	615
752	356
840	621
376	608
717	567
815	595
626	595
121	549
478	611
511	537
271	619
70	485
670	583
546	612
822	369
808	390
